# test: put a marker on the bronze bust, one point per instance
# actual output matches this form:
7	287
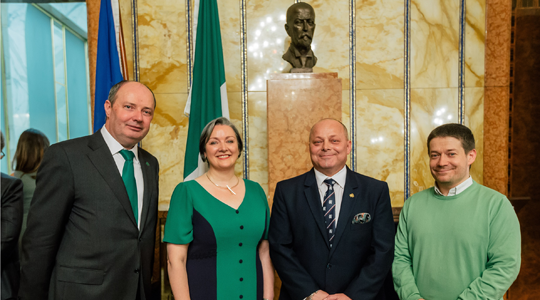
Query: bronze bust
300	27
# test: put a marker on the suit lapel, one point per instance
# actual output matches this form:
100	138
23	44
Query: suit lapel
103	161
347	204
148	179
314	201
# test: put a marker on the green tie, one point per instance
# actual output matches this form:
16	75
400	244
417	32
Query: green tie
128	176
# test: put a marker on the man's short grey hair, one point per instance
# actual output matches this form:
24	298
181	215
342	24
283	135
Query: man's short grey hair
207	132
116	87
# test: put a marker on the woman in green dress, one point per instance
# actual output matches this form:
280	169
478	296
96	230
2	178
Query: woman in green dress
217	227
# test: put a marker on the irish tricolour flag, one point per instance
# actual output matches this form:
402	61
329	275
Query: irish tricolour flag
207	98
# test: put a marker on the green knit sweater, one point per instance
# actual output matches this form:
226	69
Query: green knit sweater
466	246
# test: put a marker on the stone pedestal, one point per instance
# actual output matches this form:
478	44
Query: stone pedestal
295	102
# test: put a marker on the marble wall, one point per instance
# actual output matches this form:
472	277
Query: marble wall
363	41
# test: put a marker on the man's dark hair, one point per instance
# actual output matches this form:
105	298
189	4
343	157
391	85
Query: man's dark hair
458	131
116	87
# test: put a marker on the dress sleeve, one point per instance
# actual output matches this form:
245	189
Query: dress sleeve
179	225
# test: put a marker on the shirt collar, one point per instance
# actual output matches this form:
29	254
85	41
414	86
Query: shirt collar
340	177
456	190
115	146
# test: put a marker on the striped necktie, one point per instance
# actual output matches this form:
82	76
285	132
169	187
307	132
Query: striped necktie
329	209
128	176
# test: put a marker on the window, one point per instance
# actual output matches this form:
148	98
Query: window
44	73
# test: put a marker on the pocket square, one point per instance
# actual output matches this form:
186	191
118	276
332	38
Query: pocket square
361	218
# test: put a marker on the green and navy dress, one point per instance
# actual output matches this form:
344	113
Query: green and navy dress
222	261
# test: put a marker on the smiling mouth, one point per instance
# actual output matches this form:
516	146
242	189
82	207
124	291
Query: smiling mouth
224	156
135	128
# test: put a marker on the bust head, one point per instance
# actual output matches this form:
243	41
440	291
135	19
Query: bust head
301	25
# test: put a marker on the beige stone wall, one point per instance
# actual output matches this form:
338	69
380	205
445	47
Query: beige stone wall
378	83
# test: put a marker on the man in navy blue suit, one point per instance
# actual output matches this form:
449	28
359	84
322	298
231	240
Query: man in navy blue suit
331	232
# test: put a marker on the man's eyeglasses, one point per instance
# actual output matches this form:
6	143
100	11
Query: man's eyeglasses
2	155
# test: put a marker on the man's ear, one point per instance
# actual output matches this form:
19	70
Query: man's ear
471	157
108	107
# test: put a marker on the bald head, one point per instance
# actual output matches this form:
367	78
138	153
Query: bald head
329	121
329	146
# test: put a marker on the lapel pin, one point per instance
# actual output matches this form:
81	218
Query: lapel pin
148	164
351	195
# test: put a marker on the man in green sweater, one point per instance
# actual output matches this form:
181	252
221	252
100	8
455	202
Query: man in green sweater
458	239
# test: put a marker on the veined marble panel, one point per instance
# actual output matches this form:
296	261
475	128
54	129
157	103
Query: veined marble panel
331	38
346	117
380	148
496	121
475	37
229	21
127	21
167	142
258	140
163	45
429	109
235	114
498	30
474	119
379	44
434	43
267	40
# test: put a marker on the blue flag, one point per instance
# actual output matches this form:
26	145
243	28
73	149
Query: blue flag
108	71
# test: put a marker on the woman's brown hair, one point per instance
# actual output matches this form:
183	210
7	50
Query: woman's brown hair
30	149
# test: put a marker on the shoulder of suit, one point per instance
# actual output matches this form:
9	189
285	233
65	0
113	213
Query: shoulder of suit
8	181
363	179
72	144
297	180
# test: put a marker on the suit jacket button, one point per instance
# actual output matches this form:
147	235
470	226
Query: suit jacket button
329	266
136	271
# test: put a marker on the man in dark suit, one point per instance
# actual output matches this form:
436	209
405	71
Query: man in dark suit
331	230
91	224
12	216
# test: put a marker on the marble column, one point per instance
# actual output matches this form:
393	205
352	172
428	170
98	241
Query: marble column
294	103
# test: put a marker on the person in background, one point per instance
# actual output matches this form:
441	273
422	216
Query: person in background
217	227
457	239
30	150
12	208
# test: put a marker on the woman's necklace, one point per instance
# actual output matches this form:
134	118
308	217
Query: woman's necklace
227	187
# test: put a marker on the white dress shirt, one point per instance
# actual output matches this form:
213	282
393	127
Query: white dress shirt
340	178
115	147
457	189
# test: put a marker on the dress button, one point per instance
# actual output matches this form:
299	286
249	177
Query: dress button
241	261
241	279
237	211
241	227
136	271
240	244
241	296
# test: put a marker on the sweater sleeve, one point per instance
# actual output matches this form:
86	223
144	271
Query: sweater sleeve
504	255
404	282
